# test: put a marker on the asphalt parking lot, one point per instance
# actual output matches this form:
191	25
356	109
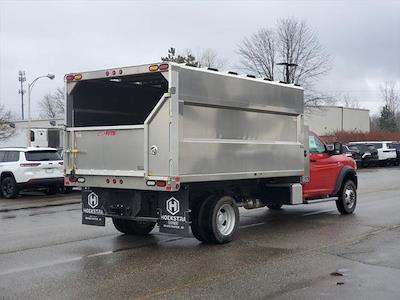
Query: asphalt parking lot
300	252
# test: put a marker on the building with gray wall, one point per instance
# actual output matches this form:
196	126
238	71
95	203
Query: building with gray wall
327	119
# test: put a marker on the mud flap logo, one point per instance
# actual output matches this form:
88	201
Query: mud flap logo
93	200
92	211
172	206
174	212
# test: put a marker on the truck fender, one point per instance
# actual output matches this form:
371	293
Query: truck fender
346	173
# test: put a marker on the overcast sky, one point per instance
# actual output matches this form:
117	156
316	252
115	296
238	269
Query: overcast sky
40	37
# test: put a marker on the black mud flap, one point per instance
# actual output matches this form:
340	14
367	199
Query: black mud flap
174	212
92	208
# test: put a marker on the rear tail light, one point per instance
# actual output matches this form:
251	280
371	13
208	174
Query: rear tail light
29	165
161	183
61	163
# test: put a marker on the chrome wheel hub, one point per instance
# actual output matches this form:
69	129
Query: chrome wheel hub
349	197
225	219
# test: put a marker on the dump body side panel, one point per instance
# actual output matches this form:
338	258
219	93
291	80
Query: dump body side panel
234	128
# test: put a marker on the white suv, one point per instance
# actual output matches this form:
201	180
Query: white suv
386	155
28	168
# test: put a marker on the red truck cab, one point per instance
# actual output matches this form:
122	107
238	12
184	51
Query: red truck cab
332	174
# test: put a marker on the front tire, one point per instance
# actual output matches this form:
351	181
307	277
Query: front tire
9	188
133	227
346	204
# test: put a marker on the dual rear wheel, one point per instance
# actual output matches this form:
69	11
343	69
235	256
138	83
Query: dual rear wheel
215	220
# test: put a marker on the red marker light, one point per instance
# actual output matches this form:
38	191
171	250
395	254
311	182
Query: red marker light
163	67
69	77
120	72
107	73
113	72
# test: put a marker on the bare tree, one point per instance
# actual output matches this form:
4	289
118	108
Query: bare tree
258	53
210	58
292	42
390	93
350	102
52	106
7	129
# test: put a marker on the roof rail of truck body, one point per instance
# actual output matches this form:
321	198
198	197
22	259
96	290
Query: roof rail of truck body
142	69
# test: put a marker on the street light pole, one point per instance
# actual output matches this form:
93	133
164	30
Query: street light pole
30	87
22	79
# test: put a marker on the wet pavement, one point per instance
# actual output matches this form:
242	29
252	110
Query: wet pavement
302	252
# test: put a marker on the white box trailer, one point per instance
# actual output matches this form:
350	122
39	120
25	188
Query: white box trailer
153	143
35	137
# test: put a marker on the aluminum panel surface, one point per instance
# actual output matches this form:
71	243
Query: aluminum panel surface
119	149
220	89
221	123
228	157
159	140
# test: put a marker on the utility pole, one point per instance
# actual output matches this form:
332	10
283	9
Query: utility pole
21	79
287	65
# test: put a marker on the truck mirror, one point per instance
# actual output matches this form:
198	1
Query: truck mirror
335	148
330	148
338	147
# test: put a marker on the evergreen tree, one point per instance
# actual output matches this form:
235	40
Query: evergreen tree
187	59
387	120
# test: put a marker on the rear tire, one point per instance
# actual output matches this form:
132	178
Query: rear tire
9	188
133	227
196	226
220	220
65	189
274	206
52	190
346	204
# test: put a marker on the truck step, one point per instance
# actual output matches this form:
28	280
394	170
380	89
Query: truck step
320	200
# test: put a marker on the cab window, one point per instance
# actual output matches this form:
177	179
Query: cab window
315	145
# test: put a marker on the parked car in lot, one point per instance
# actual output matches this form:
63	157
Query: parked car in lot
30	168
354	153
386	155
368	155
396	145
